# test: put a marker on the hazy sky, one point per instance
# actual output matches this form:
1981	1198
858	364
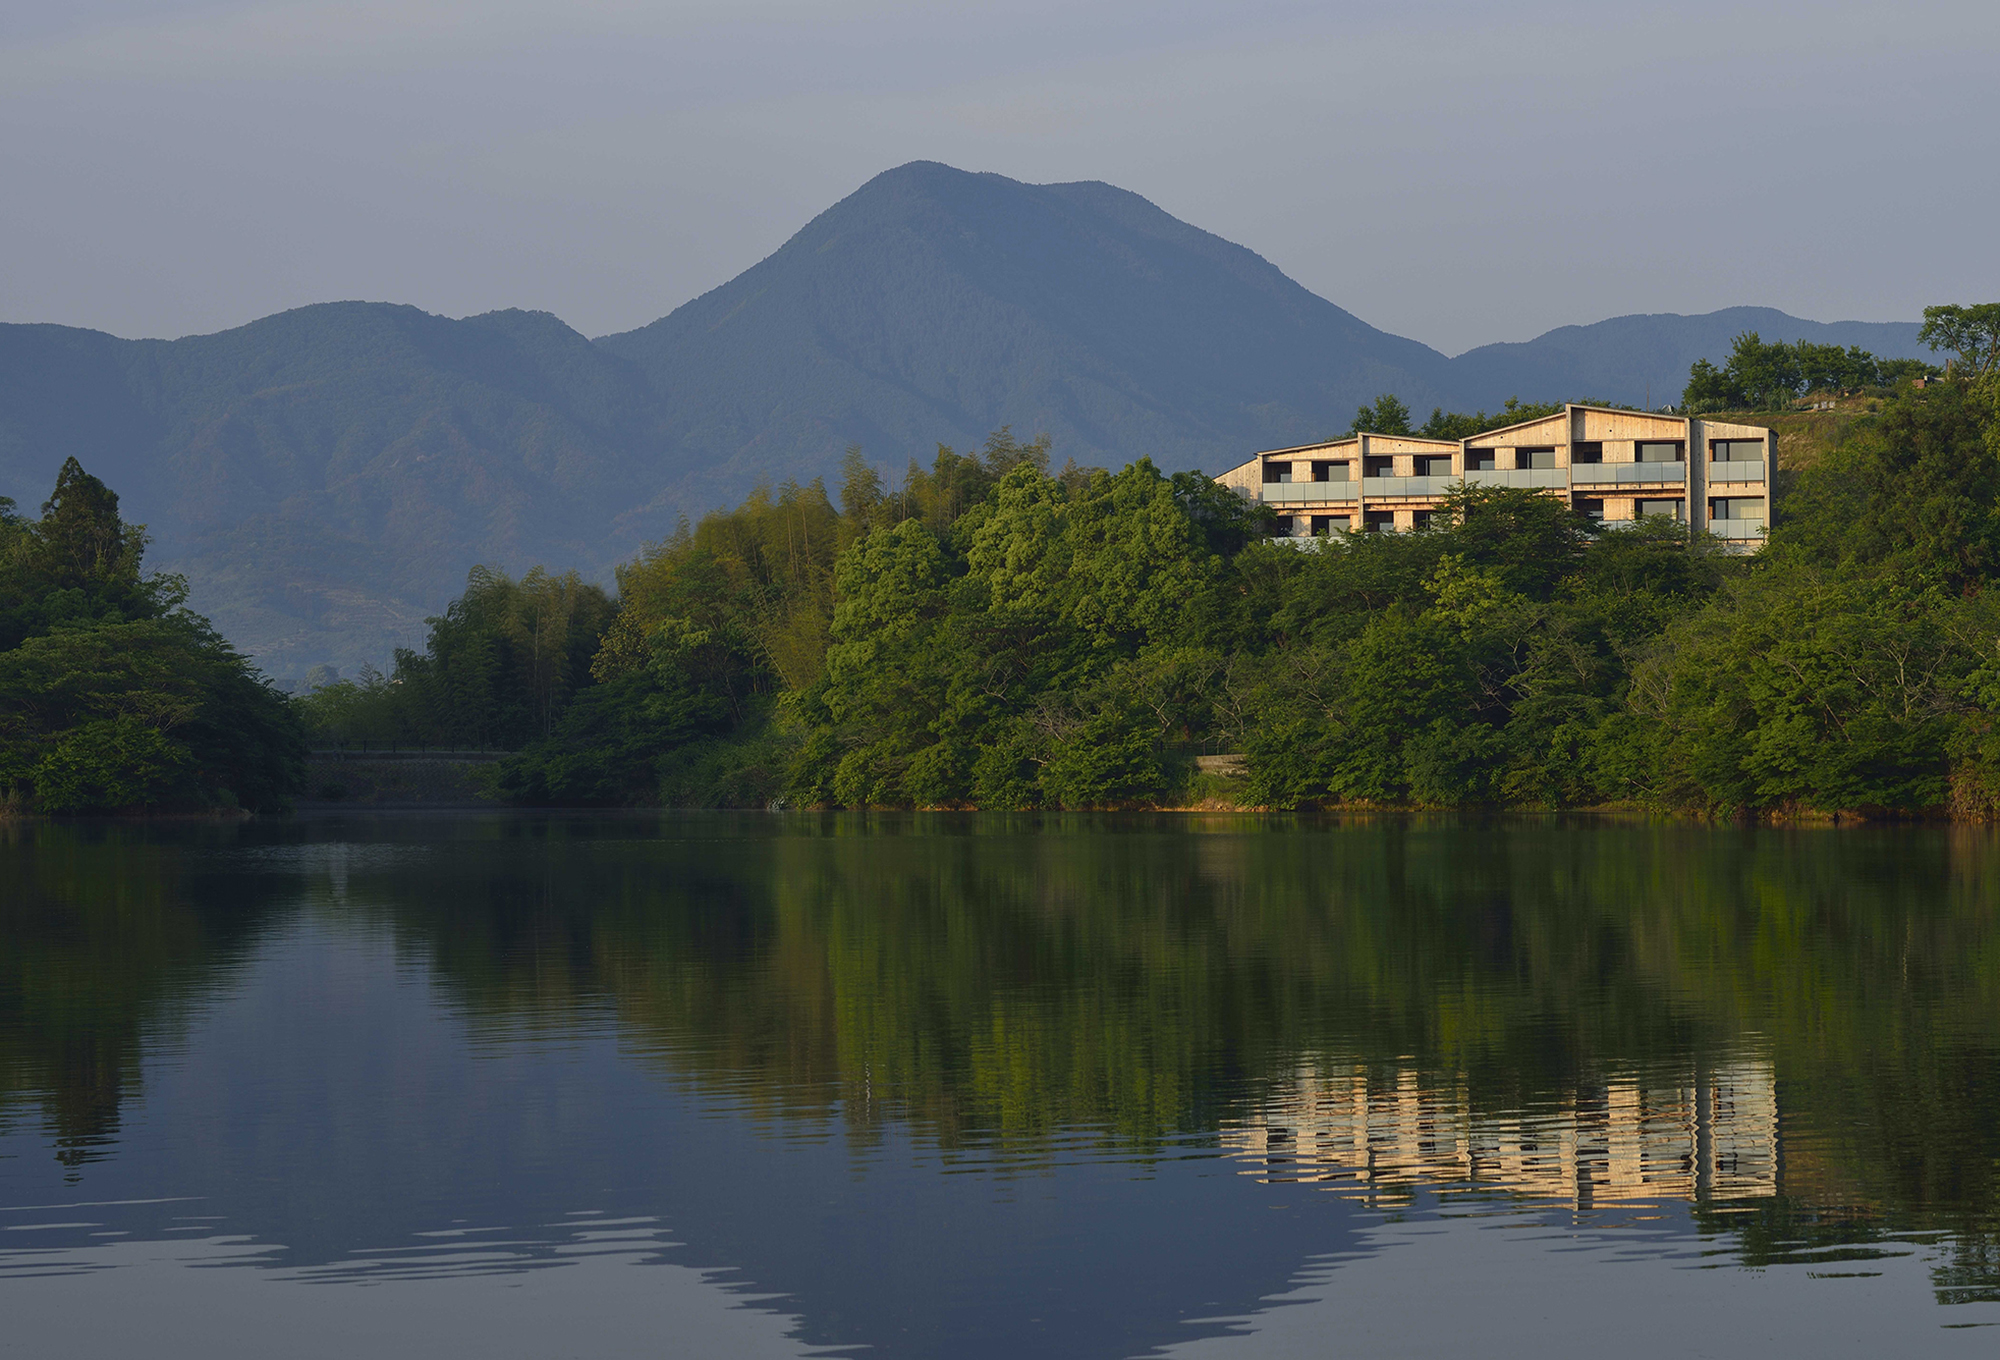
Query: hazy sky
1455	172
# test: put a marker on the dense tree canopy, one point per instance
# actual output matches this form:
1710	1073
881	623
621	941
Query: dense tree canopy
113	696
1770	375
1387	414
995	634
1971	334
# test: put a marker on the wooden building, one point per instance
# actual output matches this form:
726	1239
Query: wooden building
1613	465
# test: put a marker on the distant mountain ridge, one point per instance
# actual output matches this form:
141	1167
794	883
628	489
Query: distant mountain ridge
327	475
1644	359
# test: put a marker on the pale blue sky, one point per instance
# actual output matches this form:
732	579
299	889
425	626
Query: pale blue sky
1455	172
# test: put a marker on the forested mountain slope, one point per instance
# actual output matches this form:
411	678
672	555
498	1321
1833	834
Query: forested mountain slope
326	476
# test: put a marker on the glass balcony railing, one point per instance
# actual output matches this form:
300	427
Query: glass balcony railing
1307	493
1736	528
1543	477
1737	471
1618	474
1407	486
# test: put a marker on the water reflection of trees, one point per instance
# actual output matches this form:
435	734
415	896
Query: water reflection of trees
106	932
1147	981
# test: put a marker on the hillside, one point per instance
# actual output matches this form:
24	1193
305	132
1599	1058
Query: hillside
326	476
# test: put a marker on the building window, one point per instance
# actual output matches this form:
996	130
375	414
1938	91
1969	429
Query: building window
1481	460
1586	453
1593	506
1322	525
1378	521
1659	453
1434	467
1423	519
1378	467
1736	450
1675	509
1277	474
1535	458
1329	472
1736	507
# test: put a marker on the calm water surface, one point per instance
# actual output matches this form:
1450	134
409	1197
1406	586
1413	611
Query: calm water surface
704	1085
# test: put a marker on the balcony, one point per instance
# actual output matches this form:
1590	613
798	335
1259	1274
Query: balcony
1736	471
1408	486
1531	477
1736	528
1307	493
1620	474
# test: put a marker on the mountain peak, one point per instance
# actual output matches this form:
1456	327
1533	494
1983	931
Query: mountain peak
935	303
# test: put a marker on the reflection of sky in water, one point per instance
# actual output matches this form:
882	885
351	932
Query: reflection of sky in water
337	1157
330	1125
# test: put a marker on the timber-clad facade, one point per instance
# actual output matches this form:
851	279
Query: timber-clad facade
1613	465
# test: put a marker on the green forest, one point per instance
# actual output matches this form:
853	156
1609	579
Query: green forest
113	695
997	633
994	632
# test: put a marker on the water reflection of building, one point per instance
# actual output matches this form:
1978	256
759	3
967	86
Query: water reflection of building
1713	1136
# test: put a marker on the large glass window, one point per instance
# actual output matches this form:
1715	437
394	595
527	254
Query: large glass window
1737	451
1659	452
1379	467
1434	467
1535	458
1481	460
1663	508
1592	506
1378	521
1277	473
1586	453
1736	507
1322	525
1329	472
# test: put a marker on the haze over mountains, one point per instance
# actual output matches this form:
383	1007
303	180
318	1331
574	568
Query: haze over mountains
326	476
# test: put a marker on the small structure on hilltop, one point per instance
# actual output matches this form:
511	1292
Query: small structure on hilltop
1610	464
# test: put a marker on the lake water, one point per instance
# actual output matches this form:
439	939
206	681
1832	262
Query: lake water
712	1085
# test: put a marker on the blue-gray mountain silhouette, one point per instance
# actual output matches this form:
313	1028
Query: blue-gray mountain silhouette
326	476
